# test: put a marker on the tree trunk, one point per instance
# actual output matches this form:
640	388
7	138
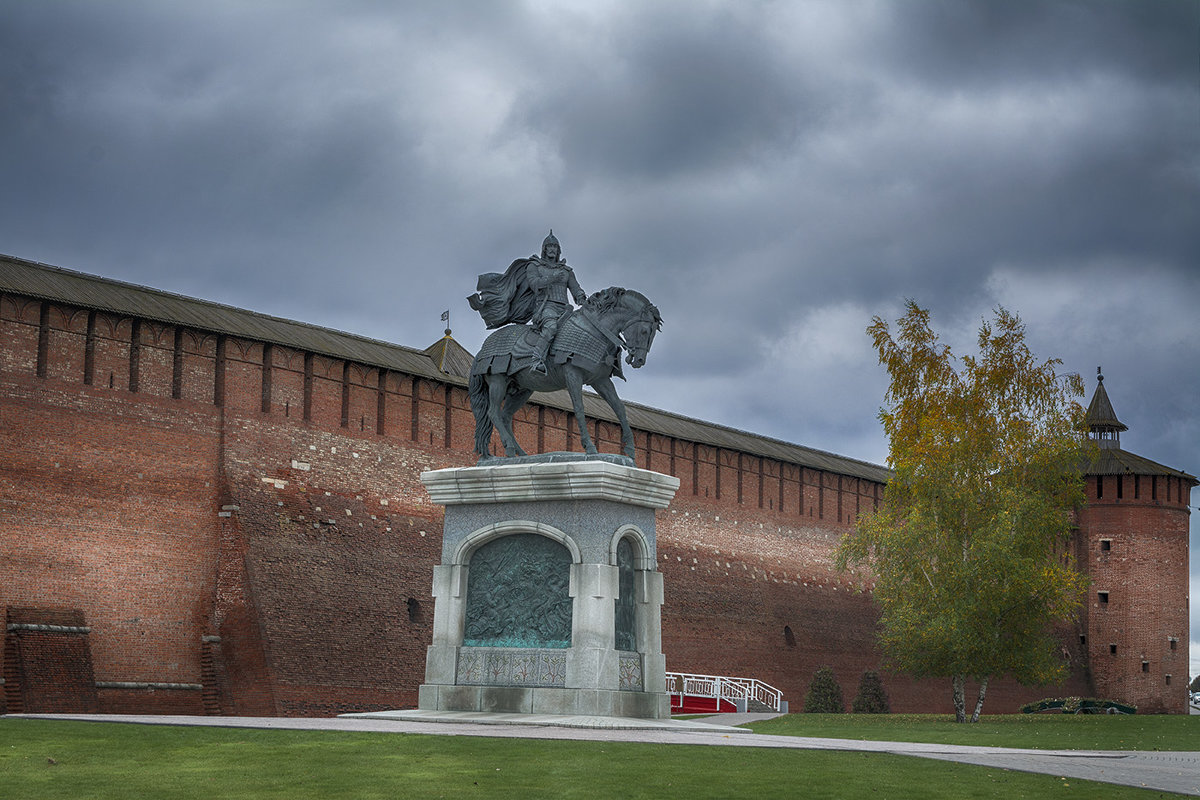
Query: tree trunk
960	712
979	703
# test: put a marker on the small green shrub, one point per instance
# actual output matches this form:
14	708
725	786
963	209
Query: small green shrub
871	698
824	694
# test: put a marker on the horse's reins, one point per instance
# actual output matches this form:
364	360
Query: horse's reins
587	324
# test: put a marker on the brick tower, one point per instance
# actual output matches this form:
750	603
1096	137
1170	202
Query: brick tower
1133	544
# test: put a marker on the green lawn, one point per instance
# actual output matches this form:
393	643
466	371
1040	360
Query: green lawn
1040	731
60	759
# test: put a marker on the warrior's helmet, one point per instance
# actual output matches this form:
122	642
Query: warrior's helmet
550	240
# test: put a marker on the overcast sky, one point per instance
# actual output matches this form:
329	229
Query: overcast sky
771	174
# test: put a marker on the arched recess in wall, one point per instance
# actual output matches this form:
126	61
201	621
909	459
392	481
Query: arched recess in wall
475	539
518	586
643	557
629	553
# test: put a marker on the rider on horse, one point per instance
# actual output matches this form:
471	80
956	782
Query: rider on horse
533	290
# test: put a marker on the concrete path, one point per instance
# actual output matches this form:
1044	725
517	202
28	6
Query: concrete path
1164	771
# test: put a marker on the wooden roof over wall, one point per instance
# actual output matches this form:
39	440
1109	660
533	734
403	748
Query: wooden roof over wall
1115	461
45	282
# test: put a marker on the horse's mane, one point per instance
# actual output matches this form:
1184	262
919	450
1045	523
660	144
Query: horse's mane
608	299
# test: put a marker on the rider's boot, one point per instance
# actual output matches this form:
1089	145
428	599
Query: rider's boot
539	361
543	348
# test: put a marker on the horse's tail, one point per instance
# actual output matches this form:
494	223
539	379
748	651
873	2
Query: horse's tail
478	390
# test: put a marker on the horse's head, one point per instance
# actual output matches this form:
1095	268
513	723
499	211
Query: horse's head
630	316
638	333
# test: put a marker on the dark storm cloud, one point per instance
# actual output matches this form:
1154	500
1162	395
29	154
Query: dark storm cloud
680	93
994	41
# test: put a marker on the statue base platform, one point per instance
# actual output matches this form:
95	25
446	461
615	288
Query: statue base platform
548	597
557	457
581	721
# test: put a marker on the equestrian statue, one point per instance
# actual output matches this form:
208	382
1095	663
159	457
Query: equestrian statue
544	344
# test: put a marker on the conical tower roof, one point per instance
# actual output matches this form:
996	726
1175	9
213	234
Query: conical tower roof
1109	459
450	357
1100	414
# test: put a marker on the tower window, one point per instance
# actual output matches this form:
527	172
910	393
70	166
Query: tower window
1173	641
1112	649
1105	545
1168	677
1099	486
1120	487
1103	597
1145	666
1083	640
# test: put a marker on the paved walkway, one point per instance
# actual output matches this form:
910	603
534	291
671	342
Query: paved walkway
1165	771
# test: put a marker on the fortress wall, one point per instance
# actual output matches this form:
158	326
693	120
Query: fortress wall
197	366
323	398
197	550
111	507
66	330
19	327
750	594
397	405
283	393
754	594
340	544
153	367
148	511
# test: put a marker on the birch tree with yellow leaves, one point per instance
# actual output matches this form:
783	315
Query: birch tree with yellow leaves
969	550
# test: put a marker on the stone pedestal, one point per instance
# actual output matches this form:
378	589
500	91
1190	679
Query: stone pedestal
564	617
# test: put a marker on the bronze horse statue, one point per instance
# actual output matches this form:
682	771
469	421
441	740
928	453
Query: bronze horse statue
586	350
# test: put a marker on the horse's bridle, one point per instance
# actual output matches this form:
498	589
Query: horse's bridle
617	340
639	352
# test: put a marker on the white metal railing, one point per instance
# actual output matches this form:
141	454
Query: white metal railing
720	687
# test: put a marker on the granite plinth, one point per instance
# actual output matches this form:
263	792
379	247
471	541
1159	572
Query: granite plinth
541	481
588	506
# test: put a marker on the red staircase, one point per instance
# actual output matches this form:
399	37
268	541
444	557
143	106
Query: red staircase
717	694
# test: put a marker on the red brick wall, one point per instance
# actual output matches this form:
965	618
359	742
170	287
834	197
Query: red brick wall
340	536
54	671
110	507
1144	575
737	579
47	662
265	534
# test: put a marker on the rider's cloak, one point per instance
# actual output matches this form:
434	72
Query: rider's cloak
505	298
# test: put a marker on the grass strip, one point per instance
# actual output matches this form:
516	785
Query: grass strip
1037	731
60	759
